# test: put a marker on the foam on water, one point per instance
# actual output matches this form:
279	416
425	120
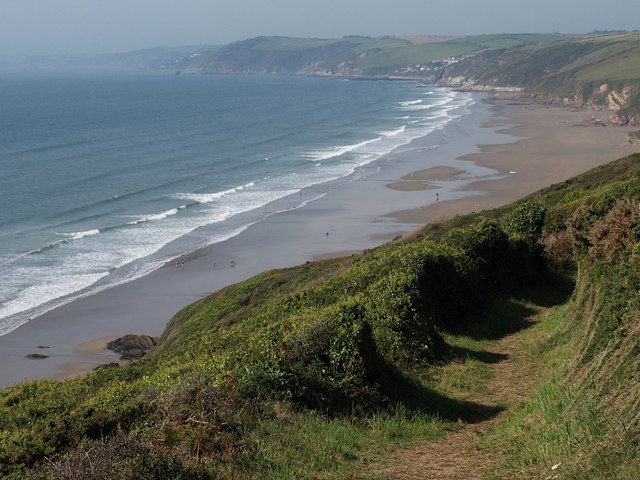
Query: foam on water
397	131
411	102
338	151
40	292
79	235
212	197
157	216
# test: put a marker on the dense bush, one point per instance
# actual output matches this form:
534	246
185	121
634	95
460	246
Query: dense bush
526	220
616	231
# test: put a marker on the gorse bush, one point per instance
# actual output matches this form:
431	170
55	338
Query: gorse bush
558	249
526	220
616	231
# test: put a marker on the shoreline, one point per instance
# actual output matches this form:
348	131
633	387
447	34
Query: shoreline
553	144
457	168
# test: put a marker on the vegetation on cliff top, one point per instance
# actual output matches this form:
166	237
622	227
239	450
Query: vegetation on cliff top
318	368
352	55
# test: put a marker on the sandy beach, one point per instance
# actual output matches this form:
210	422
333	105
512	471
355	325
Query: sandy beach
503	150
554	145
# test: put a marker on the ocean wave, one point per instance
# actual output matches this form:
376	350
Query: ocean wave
46	290
157	216
75	236
69	237
47	247
434	102
340	150
393	133
129	244
212	197
410	102
86	233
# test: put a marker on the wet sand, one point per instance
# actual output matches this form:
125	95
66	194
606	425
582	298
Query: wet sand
353	214
434	173
421	180
87	356
554	145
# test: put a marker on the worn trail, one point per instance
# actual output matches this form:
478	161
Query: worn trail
457	455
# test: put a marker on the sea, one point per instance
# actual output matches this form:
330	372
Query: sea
107	176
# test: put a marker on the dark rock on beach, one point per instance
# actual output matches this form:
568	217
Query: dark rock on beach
131	347
36	356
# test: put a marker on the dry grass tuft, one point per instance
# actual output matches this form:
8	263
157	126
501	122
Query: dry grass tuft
558	248
611	234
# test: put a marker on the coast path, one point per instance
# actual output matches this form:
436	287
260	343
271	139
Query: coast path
458	455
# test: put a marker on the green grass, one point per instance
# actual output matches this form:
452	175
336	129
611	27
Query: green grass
424	53
556	65
387	52
583	417
339	447
292	44
507	40
415	54
562	425
295	445
614	62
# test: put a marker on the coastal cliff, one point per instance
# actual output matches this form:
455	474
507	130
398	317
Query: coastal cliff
585	72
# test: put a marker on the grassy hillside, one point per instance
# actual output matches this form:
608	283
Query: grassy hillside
352	55
325	366
600	70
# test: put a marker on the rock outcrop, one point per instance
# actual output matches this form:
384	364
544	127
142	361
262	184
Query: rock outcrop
131	347
36	356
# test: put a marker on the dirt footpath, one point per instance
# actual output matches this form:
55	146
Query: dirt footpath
457	456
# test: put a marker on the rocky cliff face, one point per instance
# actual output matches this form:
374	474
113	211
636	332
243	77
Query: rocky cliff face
569	72
476	85
617	99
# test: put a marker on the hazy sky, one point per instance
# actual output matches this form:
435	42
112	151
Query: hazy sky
95	26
